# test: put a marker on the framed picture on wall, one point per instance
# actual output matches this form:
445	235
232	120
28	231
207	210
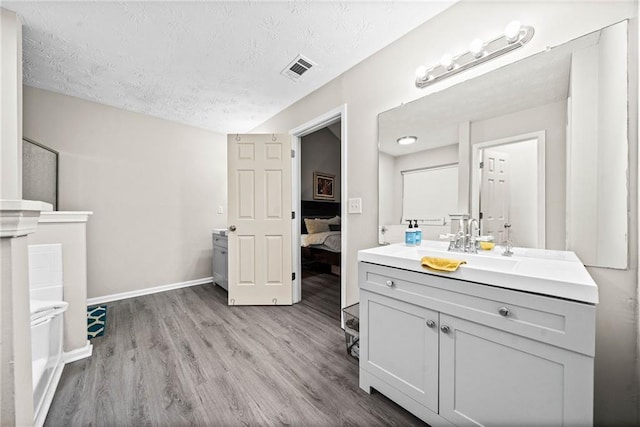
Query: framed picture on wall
323	186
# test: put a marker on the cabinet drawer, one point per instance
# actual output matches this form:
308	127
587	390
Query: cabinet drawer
220	241
566	324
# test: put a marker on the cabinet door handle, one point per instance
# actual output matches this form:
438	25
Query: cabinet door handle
390	283
445	329
431	323
504	311
223	252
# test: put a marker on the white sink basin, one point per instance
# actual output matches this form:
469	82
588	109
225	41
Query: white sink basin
488	261
545	272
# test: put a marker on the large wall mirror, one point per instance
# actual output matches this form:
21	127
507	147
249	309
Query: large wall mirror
541	143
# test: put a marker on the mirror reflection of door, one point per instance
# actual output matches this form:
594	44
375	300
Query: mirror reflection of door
511	191
494	194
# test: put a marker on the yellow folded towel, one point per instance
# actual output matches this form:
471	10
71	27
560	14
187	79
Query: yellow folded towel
441	264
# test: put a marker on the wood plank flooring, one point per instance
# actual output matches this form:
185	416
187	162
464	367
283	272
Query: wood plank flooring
184	358
321	292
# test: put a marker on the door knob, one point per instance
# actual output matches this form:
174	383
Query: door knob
504	311
232	228
445	329
431	323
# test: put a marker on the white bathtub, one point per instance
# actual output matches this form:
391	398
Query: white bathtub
47	308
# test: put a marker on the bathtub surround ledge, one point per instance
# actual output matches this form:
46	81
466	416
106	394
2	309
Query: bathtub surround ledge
70	229
20	217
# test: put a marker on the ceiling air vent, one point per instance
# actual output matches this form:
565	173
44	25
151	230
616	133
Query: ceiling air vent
297	67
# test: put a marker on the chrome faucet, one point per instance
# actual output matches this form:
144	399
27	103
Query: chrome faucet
464	240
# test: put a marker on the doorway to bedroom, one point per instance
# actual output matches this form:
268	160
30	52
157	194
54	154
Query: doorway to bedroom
319	221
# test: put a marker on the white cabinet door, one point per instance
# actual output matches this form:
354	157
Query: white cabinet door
220	266
399	347
493	378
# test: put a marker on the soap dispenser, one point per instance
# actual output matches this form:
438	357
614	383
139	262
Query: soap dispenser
418	233
410	235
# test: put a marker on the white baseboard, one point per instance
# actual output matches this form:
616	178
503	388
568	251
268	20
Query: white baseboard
78	353
148	291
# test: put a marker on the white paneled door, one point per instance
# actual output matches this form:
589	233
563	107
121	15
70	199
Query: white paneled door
259	218
494	194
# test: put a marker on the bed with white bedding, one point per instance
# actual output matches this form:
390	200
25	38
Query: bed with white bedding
321	238
327	240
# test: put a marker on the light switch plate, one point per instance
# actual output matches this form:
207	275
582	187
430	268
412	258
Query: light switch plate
220	209
355	206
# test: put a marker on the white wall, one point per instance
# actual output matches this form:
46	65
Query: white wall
386	80
612	154
320	152
154	187
582	199
387	212
597	181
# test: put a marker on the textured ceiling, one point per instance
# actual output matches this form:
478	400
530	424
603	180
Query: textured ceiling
214	65
531	82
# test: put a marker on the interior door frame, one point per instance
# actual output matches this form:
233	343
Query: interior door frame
326	119
539	136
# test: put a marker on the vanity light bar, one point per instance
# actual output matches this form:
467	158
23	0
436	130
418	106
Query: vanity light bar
515	36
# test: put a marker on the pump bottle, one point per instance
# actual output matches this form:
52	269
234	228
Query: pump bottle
418	233
410	235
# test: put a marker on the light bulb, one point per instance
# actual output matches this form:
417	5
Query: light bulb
512	31
406	140
421	72
476	48
447	61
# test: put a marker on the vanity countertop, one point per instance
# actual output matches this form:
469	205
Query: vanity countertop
547	272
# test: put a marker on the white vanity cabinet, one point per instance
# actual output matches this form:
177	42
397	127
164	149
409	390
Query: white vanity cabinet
455	352
220	260
411	365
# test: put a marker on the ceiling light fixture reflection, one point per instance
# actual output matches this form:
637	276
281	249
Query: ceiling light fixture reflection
406	140
515	36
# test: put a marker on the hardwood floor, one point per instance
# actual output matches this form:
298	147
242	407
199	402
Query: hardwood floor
184	358
321	292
